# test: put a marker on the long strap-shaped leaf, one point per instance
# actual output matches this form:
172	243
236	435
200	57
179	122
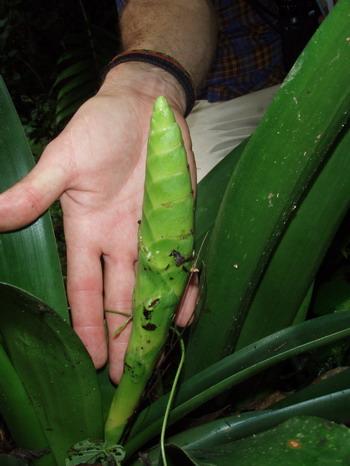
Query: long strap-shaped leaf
55	370
18	412
238	367
328	399
272	175
28	257
296	260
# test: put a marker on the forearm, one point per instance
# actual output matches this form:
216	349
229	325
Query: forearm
183	29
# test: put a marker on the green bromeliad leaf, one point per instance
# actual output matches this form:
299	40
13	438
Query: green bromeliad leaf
28	257
297	258
55	370
17	411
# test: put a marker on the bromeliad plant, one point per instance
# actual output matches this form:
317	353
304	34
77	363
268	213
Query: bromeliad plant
265	219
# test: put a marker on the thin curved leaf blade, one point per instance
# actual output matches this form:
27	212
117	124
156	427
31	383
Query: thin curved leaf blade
304	440
55	370
83	66
329	400
75	84
76	95
84	61
28	257
238	367
333	406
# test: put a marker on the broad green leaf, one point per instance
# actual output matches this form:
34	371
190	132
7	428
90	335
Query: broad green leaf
272	176
55	369
28	257
303	441
17	411
298	256
238	367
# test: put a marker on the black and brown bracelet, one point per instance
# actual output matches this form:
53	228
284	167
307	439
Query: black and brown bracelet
163	61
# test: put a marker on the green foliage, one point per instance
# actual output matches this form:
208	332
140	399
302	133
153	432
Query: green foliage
16	407
309	235
55	370
80	69
87	452
34	37
28	257
238	367
266	189
329	398
306	441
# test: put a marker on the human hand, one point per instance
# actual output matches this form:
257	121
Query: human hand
96	168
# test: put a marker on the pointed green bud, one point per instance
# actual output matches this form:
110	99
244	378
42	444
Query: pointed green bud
162	116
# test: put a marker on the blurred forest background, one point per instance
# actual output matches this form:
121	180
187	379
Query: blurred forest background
50	50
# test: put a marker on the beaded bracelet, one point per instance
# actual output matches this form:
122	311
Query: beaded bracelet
163	61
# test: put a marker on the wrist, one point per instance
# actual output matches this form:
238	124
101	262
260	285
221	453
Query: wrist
146	80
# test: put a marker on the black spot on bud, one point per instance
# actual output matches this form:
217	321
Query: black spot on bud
147	313
149	327
179	258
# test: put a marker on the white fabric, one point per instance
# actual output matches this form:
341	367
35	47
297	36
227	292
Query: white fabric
219	127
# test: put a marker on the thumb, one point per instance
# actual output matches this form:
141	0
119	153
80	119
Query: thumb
25	201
